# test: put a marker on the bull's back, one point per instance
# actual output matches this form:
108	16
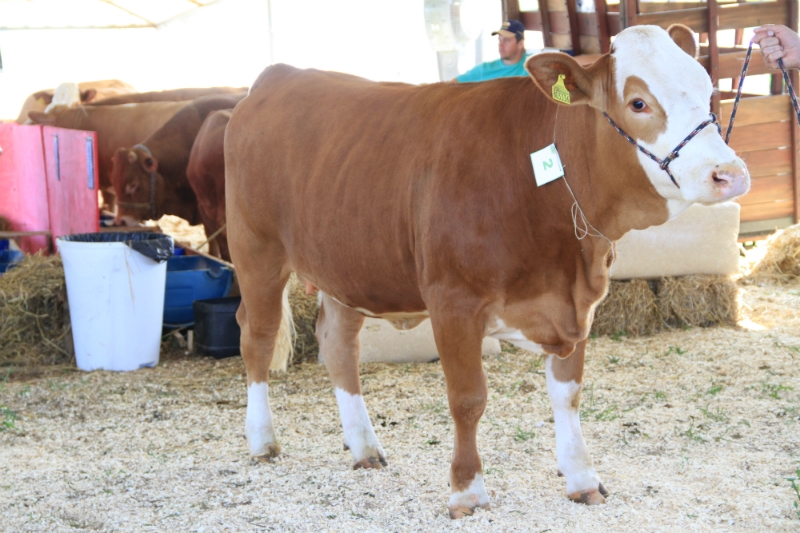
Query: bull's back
344	172
311	159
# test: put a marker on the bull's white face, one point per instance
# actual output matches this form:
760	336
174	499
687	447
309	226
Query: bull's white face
676	92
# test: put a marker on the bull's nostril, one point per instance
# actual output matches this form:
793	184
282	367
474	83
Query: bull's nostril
720	180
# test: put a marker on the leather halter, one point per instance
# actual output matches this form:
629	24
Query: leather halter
152	203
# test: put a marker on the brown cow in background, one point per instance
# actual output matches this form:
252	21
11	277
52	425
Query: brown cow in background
149	178
206	175
116	126
171	95
91	91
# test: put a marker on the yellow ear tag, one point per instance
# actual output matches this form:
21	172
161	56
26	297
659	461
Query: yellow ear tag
560	91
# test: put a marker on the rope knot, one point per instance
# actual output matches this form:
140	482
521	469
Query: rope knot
667	160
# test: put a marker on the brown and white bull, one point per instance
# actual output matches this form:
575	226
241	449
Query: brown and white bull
405	201
90	91
149	178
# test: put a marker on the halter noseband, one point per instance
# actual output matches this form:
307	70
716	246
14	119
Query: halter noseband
664	163
152	204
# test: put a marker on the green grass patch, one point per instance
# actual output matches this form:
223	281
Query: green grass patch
522	435
796	487
7	418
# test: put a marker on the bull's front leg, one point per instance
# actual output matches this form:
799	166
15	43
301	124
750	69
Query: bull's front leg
564	381
337	332
459	345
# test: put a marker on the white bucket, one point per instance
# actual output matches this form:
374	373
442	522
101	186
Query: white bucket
116	304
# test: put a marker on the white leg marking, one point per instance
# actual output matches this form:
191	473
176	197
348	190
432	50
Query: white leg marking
474	496
574	460
358	433
258	425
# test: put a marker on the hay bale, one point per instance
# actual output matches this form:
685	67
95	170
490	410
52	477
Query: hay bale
699	300
304	312
34	316
641	307
629	308
781	263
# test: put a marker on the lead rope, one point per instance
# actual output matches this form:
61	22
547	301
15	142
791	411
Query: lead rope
741	83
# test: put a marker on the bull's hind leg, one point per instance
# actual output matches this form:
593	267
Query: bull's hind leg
337	331
264	317
564	377
459	343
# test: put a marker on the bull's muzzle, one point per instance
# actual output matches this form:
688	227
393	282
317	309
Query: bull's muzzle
730	180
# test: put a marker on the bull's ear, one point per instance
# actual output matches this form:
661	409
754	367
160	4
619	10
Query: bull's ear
45	96
88	95
555	73
684	38
40	117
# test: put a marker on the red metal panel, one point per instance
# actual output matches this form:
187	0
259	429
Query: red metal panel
23	187
72	180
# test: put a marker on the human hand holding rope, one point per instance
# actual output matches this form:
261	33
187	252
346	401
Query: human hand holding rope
778	42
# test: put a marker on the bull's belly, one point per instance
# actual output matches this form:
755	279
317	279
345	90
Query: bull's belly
502	332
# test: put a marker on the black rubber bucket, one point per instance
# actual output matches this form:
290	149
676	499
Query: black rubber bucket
216	332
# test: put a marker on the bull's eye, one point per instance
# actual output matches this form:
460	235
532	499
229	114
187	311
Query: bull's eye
148	162
638	105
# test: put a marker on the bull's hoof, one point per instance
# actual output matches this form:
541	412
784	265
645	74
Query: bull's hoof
590	497
461	511
273	451
370	462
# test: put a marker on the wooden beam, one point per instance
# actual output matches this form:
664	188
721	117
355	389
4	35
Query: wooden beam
15	234
574	31
511	10
713	54
546	32
602	26
793	16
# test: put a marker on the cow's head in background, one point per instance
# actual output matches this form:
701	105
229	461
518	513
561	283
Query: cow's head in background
654	89
135	178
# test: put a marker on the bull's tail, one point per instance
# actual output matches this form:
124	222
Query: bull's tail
284	341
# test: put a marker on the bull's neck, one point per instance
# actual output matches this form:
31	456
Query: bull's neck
603	172
170	148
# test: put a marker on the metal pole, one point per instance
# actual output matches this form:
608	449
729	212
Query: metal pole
271	39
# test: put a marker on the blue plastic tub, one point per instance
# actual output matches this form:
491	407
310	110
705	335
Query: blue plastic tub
9	259
3	244
190	278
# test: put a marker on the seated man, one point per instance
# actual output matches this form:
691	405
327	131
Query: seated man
512	56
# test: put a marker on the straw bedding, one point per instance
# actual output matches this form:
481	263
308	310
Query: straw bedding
781	263
34	316
690	430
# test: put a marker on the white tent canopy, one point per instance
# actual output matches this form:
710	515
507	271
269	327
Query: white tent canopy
94	14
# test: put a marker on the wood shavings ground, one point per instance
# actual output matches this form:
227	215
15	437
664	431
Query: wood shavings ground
693	430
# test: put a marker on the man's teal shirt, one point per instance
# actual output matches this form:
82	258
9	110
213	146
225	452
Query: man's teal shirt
494	69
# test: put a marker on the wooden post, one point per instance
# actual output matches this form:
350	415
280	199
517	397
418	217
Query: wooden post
545	14
574	29
793	16
510	10
628	11
602	26
713	53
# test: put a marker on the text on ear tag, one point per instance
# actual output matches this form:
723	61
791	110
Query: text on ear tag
560	91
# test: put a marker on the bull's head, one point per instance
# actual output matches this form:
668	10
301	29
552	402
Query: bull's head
135	178
652	87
